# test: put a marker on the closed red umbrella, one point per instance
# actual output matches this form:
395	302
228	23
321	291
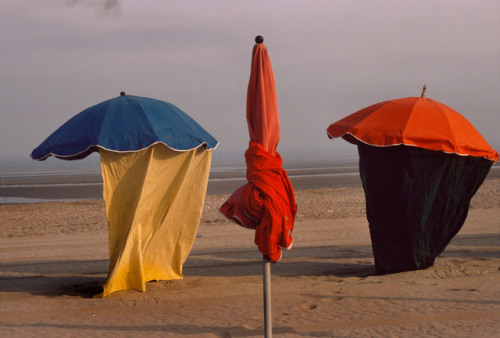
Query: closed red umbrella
267	202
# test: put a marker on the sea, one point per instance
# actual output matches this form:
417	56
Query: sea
26	181
23	180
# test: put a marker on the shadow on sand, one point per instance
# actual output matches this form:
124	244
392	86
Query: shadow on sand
85	278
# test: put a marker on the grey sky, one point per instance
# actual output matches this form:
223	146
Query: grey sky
330	59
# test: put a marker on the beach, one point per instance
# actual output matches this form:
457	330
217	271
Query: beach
54	259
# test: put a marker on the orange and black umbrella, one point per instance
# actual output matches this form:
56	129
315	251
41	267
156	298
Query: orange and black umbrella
421	163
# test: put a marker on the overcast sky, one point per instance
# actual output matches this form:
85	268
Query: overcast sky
330	59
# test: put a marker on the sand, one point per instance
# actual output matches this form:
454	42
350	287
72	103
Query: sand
54	258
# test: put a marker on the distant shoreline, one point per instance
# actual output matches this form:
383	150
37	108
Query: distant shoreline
64	187
88	186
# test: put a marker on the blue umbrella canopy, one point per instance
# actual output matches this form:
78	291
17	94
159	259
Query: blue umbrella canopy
125	123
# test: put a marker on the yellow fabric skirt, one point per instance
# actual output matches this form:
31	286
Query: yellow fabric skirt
154	200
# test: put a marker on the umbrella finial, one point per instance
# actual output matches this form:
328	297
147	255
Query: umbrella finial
259	39
424	90
122	93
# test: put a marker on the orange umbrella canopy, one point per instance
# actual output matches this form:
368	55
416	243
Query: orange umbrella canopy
413	121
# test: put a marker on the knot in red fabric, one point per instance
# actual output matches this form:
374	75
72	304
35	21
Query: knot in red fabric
266	204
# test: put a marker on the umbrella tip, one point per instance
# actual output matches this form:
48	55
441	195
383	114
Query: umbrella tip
424	90
122	93
259	39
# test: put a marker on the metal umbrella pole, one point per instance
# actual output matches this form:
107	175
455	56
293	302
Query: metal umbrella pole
268	323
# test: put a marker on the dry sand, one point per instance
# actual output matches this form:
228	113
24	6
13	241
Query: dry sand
54	258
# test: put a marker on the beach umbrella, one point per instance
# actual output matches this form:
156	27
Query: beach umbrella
267	202
420	163
155	162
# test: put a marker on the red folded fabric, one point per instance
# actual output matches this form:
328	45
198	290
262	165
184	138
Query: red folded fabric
266	204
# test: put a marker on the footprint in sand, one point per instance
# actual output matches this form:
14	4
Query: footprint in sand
305	307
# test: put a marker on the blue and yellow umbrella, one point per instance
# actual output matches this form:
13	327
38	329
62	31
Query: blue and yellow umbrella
155	163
